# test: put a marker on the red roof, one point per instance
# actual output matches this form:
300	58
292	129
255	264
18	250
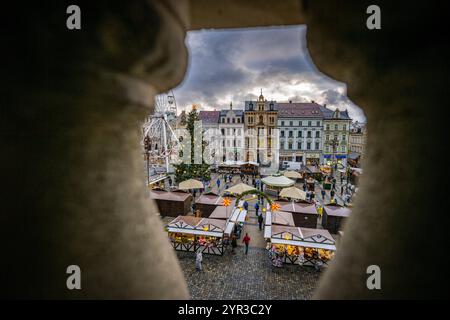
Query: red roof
295	110
209	117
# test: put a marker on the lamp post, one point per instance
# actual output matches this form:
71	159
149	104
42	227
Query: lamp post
334	143
147	154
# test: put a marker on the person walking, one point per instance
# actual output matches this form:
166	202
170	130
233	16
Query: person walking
304	186
246	240
260	221
323	194
257	208
332	194
218	183
198	260
233	243
342	190
246	205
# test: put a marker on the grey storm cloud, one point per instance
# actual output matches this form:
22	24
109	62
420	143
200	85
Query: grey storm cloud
233	65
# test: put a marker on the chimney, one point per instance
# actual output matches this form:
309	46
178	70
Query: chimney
325	105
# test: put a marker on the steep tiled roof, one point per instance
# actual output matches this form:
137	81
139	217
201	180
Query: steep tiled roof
328	114
266	105
209	117
296	110
238	113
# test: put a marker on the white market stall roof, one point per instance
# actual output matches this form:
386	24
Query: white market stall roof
280	218
267	231
238	215
213	200
198	226
221	212
278	181
239	188
229	228
303	237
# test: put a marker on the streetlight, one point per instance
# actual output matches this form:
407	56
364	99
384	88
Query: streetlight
147	153
334	143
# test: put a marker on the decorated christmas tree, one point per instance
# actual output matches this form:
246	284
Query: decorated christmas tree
191	170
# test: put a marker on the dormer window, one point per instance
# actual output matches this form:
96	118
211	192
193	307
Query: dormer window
271	106
250	106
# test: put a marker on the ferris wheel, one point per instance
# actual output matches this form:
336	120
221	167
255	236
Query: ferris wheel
158	130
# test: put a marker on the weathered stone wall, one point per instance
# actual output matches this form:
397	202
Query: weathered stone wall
71	163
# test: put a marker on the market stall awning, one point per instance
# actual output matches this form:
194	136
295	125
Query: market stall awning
238	215
157	178
190	184
293	193
336	210
239	188
229	228
221	212
299	207
213	200
292	174
267	231
304	237
313	169
282	218
278	181
304	244
169	196
199	226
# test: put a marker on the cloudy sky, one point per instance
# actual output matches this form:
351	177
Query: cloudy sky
235	65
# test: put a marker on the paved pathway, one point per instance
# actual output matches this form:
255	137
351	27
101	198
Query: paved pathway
240	276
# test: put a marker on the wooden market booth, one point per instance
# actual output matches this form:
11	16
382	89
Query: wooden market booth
250	168
207	203
188	233
172	203
334	217
280	218
304	213
303	246
274	184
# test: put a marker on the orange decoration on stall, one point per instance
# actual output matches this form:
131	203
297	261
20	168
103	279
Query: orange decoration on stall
275	207
226	202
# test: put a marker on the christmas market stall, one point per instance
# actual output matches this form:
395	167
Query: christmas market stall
310	183
314	172
334	216
303	246
221	212
250	168
274	184
281	218
207	203
157	181
304	213
229	166
172	203
188	233
354	175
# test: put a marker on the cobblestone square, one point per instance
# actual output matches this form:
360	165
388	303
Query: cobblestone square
239	276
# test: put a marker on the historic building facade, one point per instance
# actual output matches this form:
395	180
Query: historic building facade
300	127
211	133
336	130
357	141
260	120
231	128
